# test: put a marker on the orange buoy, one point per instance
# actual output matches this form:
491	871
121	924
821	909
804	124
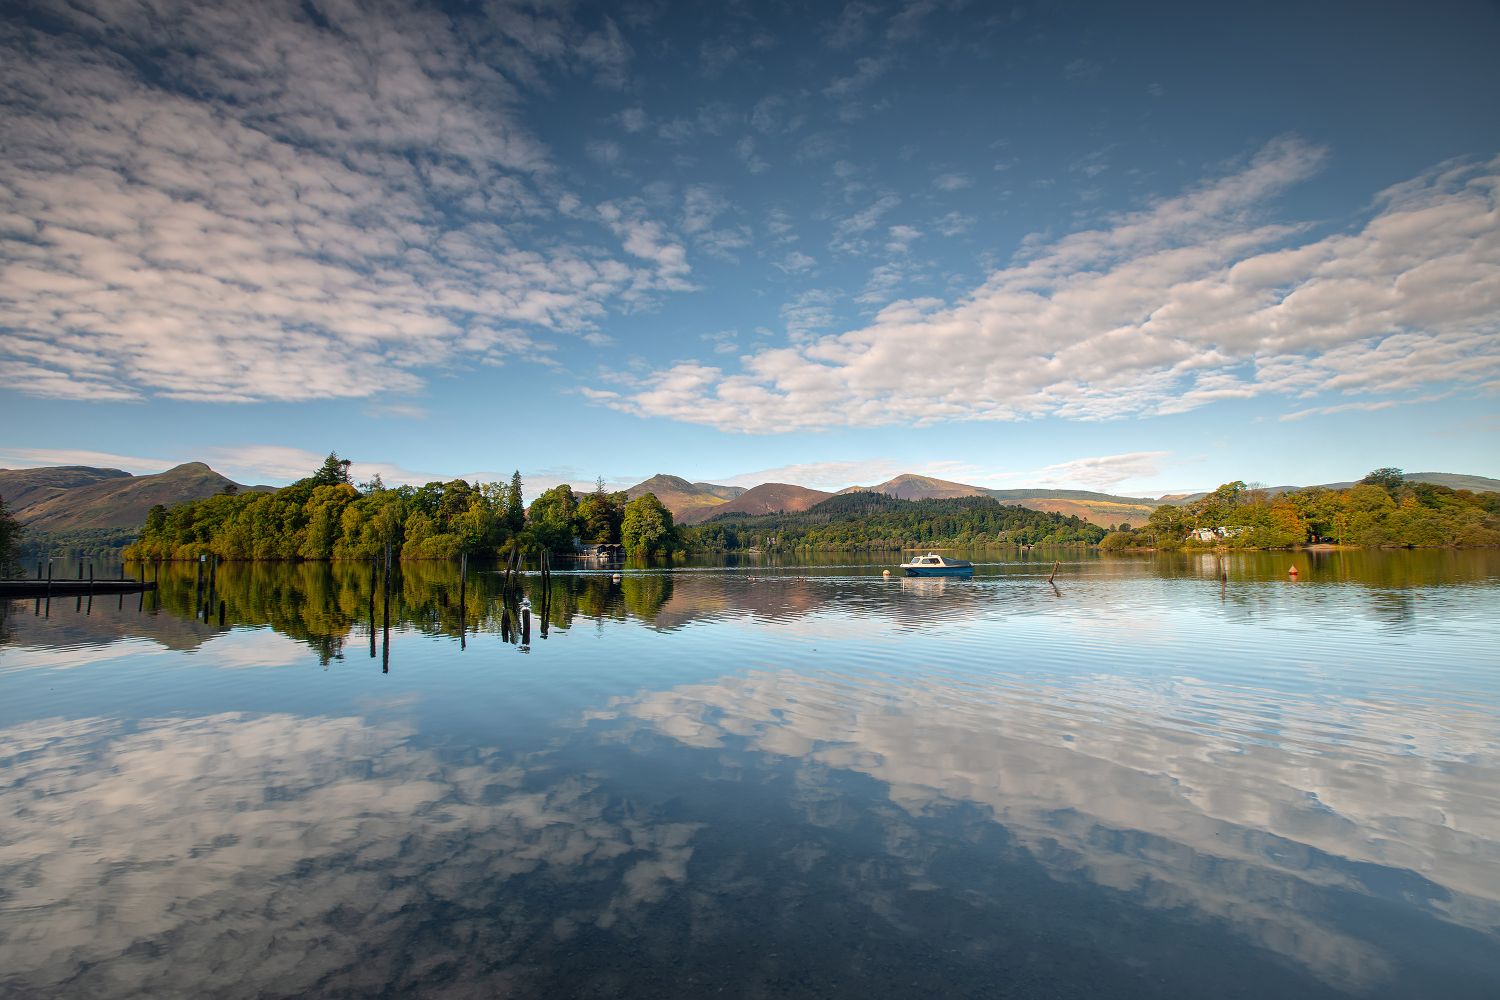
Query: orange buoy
1292	571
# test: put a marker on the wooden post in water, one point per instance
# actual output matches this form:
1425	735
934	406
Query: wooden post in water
463	607
1055	564
372	607
385	618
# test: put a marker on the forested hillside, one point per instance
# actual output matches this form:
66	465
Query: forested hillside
852	521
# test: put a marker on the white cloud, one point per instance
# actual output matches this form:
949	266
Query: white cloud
808	313
867	69
952	182
1193	299
35	458
745	150
796	262
828	476
269	214
901	238
1101	472
633	120
852	25
849	232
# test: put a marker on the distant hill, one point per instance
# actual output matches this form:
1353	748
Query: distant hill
683	498
23	487
767	498
1452	480
104	498
910	486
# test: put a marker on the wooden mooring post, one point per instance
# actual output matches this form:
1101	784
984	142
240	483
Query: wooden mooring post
1055	564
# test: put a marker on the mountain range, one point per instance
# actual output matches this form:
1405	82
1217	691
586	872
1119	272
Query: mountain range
80	497
84	498
694	503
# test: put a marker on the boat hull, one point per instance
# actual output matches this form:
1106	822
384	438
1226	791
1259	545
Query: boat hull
939	570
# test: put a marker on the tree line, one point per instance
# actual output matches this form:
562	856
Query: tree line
328	516
873	521
1383	508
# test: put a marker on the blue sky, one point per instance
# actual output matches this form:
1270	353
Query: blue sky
1048	244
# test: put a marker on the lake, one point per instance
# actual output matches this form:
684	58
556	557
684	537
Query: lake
1159	776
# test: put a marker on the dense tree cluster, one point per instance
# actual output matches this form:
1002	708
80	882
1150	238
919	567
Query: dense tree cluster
865	520
10	543
325	516
1381	509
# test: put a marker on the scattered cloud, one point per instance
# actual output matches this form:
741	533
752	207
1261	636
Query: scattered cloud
716	56
867	69
952	182
849	233
955	223
1101	472
634	120
604	151
1081	69
851	27
808	313
907	22
1192	299
745	150
253	219
796	262
35	458
829	476
901	238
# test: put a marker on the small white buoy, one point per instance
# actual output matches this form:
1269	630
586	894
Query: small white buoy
616	578
885	572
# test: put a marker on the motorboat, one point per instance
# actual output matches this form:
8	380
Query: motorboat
933	564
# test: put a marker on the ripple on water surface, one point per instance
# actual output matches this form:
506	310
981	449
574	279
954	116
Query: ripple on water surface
1144	780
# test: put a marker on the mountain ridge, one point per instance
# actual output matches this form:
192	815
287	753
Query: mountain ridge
74	498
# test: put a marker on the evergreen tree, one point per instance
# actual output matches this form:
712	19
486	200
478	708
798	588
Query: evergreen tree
515	512
333	472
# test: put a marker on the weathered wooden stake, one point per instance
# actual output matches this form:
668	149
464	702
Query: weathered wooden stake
372	607
385	616
1054	570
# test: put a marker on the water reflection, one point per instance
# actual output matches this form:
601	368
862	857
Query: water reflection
1295	840
178	857
1163	777
333	607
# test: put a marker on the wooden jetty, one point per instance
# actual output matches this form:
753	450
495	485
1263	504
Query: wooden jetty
72	588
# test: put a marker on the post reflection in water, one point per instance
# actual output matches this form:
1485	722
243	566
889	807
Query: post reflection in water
1157	776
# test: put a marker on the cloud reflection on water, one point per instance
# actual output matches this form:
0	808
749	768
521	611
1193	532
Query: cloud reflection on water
1188	798
178	857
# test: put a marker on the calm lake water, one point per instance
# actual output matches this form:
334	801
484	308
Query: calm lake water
762	780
